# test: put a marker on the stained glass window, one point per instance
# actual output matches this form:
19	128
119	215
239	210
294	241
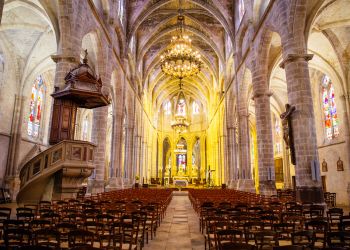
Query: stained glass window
241	10
329	108
195	108
86	128
167	108
36	106
181	107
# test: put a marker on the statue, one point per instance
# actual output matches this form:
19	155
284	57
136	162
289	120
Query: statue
324	166
340	166
288	130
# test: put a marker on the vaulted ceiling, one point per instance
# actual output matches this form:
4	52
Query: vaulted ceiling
151	24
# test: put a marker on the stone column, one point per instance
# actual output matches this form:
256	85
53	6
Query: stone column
12	181
267	184
308	189
115	181
99	131
142	160
137	155
232	159
245	181
128	159
345	101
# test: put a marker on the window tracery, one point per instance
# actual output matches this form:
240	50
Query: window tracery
36	107
195	108
329	108
181	107
167	108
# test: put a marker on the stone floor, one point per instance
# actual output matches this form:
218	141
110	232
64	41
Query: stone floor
179	229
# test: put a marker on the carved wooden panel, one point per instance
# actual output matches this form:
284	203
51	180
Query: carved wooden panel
63	121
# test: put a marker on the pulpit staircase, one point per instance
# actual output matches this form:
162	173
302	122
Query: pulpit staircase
57	172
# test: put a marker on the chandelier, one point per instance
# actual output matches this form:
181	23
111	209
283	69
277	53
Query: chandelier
181	60
180	124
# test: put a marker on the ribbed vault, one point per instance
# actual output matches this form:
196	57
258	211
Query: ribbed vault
151	26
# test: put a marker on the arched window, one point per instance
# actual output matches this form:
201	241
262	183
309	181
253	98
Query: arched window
241	10
181	107
36	106
167	108
195	108
86	128
329	108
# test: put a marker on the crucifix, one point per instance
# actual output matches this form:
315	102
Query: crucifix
288	131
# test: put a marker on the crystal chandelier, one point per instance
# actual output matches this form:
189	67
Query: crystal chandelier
181	60
180	124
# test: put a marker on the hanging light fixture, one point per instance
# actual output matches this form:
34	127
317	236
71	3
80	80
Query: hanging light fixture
181	60
180	123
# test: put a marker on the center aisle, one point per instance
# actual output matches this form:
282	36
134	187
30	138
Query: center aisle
180	227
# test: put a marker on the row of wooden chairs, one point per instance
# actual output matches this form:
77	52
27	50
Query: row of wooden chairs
265	223
116	220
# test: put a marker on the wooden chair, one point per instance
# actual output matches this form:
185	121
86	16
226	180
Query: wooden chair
320	228
291	247
228	236
238	246
35	248
80	237
16	237
251	228
47	237
303	238
266	239
64	228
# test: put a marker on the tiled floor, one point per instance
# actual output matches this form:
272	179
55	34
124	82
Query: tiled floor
179	229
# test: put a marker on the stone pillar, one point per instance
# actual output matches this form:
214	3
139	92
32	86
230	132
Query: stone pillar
245	181
128	159
137	155
99	131
232	158
267	185
115	181
142	160
12	181
308	189
345	101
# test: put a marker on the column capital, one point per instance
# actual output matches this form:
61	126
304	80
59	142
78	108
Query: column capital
257	95
294	57
61	57
243	114
346	96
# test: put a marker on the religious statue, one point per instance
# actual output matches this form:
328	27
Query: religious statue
324	166
288	130
340	166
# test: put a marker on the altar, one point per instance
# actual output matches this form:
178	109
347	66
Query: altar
181	181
